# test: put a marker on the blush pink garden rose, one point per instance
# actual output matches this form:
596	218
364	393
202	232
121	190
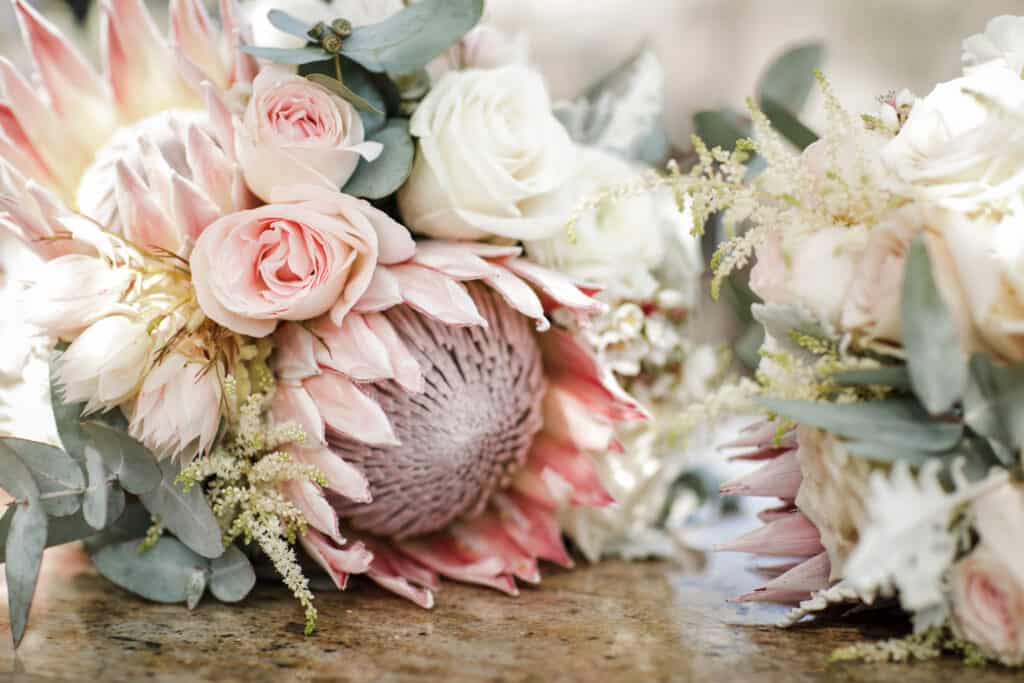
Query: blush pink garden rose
988	584
296	132
313	252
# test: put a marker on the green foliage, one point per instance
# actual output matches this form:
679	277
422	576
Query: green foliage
722	128
127	459
186	514
938	369
53	471
383	176
784	88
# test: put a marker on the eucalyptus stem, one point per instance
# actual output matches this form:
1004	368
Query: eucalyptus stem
53	495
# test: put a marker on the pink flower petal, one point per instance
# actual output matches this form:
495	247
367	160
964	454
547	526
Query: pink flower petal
338	562
342	477
793	535
519	296
437	296
557	286
383	293
447	557
349	411
294	404
779	478
573	466
294	353
454	259
569	420
533	527
142	220
308	498
406	368
352	349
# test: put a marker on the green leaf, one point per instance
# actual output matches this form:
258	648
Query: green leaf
232	577
54	471
286	23
994	403
186	515
133	523
360	82
60	530
68	416
26	541
164	573
789	79
895	376
96	498
888	454
788	125
412	38
132	463
892	423
938	369
722	128
291	56
383	176
345	93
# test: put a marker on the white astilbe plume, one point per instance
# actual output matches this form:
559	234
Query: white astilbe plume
909	543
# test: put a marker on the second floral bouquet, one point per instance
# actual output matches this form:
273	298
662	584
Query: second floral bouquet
254	351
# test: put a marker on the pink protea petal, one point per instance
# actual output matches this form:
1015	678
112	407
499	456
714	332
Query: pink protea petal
437	296
567	358
453	259
519	296
560	289
342	478
383	293
573	466
443	554
347	410
486	537
294	353
66	75
194	34
191	208
406	369
242	67
544	486
17	148
65	156
533	527
568	419
774	597
338	562
762	434
809	576
142	219
779	478
779	511
309	499
212	170
794	536
352	349
221	119
402	575
294	404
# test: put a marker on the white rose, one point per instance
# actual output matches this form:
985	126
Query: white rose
813	269
296	132
490	157
105	364
1002	42
621	236
961	145
358	12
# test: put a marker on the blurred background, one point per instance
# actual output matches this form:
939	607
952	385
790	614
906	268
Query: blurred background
713	50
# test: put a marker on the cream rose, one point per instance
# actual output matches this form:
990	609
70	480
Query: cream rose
296	132
815	270
490	157
293	261
958	145
619	237
873	302
1002	42
988	584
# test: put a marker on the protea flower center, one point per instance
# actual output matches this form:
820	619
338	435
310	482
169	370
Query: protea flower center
465	435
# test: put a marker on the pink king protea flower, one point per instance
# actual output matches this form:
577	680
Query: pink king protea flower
452	427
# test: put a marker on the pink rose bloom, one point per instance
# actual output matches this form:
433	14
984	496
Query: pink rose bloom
988	584
296	132
293	261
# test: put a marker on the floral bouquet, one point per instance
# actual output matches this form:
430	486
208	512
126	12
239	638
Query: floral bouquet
887	257
330	302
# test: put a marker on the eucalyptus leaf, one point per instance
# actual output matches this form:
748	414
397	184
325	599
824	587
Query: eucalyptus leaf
286	23
164	573
788	125
68	415
95	500
360	82
187	515
938	369
383	176
60	530
893	423
894	376
412	38
133	523
232	576
132	463
54	471
722	128
26	541
790	78
888	454
290	56
783	321
344	92
994	403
